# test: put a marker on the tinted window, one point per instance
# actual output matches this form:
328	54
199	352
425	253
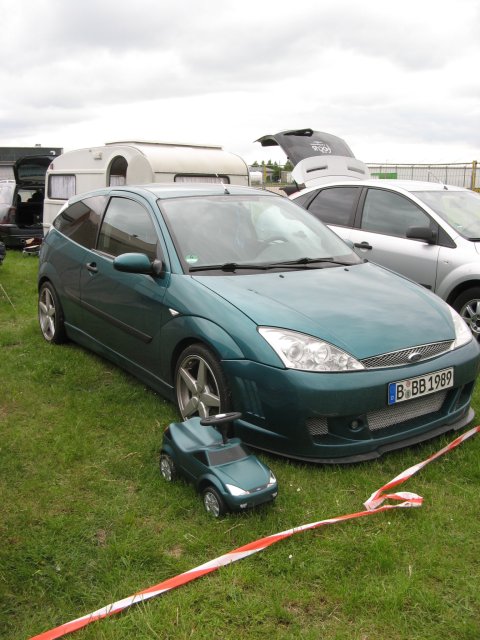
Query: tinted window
335	205
127	227
80	221
302	200
391	213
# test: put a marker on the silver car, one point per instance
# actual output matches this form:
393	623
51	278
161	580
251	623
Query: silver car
428	232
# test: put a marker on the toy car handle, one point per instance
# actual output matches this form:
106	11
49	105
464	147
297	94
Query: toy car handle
220	418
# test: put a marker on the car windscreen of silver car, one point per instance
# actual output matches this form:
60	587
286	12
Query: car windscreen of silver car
461	209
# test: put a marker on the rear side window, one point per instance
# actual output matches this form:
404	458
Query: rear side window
127	227
391	214
80	221
336	205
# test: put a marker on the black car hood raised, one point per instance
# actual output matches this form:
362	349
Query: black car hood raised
31	170
299	144
317	156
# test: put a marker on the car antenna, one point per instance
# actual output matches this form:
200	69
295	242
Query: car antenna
226	191
437	179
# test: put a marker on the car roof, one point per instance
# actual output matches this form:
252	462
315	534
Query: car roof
181	190
396	185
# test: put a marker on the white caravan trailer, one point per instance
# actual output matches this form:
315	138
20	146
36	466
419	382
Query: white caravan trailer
119	163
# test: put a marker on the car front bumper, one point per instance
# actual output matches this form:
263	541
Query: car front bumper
345	417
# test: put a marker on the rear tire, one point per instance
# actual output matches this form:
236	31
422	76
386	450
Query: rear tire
50	315
167	467
468	306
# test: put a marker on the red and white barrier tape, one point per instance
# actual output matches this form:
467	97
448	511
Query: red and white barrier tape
373	505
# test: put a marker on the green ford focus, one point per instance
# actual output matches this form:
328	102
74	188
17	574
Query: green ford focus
225	298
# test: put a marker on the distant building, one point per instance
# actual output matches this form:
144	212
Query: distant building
9	155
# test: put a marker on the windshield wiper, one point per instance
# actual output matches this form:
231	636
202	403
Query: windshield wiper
233	266
307	261
229	266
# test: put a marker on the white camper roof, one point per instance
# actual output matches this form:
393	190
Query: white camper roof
148	161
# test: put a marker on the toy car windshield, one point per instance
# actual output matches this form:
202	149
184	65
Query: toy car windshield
225	455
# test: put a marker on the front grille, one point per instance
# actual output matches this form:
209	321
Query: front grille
317	426
404	411
399	358
388	416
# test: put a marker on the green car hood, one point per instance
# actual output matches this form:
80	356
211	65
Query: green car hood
363	309
247	473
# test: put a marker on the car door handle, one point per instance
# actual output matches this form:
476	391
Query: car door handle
92	267
362	245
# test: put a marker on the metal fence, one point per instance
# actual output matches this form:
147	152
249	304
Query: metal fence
459	174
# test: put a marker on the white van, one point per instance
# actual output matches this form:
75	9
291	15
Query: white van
119	163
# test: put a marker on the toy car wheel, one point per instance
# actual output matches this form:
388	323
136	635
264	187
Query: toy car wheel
200	383
50	315
167	467
213	502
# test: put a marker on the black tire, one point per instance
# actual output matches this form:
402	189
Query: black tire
213	502
50	315
200	385
167	467
468	306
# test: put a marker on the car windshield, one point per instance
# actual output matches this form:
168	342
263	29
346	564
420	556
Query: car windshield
6	193
461	209
232	232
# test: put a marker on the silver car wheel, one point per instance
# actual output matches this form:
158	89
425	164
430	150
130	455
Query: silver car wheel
47	314
212	503
197	388
470	312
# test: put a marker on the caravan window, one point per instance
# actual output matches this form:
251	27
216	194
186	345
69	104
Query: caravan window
118	172
61	187
207	178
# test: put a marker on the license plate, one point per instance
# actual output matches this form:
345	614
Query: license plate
421	386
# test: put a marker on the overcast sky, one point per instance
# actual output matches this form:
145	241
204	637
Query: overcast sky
399	81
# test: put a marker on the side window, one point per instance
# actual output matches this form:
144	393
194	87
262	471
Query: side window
61	187
302	200
127	227
391	214
80	221
335	205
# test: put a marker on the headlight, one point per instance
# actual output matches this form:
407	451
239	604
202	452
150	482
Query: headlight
462	332
272	480
236	491
299	351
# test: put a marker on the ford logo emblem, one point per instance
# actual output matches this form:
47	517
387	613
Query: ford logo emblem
415	356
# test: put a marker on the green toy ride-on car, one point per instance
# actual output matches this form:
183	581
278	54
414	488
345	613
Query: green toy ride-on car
224	471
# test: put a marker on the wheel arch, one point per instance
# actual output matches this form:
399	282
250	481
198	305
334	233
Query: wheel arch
203	332
210	481
461	288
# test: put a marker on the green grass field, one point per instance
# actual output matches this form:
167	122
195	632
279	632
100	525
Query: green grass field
87	520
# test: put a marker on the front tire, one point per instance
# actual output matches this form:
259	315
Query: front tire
213	502
50	315
200	383
468	306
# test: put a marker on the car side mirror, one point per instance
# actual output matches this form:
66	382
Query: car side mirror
422	233
138	263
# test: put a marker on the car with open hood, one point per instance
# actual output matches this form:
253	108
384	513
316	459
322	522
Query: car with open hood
222	297
21	201
427	231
